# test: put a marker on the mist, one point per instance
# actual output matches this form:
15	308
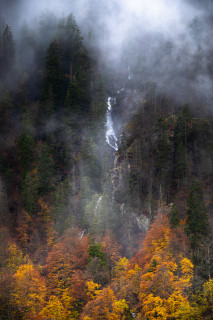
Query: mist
116	17
138	42
171	38
106	115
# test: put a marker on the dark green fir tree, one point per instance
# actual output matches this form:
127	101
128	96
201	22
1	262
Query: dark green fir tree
196	215
174	218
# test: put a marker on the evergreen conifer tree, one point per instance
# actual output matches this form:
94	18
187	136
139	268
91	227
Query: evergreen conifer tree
8	50
181	139
46	168
53	80
196	216
174	218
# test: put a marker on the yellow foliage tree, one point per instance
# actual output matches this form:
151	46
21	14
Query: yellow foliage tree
15	258
203	302
166	274
186	273
126	283
93	290
54	310
153	308
29	291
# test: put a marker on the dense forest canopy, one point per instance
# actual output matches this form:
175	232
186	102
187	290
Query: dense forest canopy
106	160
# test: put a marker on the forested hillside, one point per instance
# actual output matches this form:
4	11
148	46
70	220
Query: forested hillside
106	165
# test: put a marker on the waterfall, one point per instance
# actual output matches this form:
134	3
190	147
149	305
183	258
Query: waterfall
97	205
82	233
129	75
111	138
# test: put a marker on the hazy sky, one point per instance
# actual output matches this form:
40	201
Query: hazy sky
162	14
151	21
118	16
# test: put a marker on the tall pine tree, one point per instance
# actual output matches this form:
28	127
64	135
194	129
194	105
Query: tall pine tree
196	216
8	50
52	83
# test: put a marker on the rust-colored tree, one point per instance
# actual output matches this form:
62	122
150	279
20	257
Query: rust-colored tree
65	268
105	307
111	248
70	253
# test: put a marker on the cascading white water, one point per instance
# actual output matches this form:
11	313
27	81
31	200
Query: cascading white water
129	75
111	138
97	205
82	233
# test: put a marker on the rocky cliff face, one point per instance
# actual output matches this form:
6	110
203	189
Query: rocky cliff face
162	146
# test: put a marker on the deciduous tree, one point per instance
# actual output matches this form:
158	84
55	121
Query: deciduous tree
29	291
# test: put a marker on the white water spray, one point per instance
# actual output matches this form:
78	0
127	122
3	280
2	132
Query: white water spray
111	138
129	75
82	233
97	205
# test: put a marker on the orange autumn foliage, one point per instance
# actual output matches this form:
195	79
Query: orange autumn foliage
46	217
166	272
105	307
23	228
74	296
67	255
111	248
29	291
126	283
